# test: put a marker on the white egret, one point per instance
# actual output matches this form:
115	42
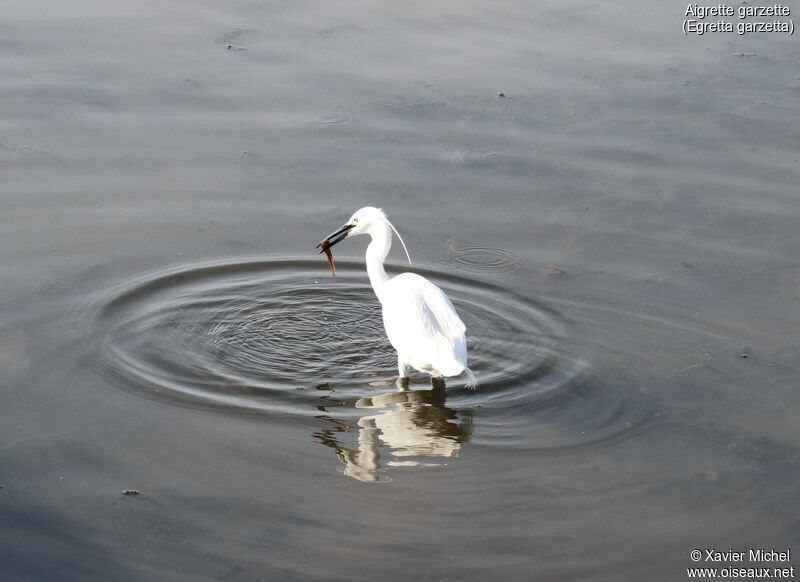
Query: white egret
420	321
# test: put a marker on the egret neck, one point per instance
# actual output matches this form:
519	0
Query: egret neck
377	251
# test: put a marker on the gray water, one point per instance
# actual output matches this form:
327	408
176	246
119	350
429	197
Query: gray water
618	230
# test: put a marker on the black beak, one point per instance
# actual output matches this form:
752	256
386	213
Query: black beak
335	237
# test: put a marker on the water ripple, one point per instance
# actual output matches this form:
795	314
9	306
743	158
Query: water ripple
281	336
481	259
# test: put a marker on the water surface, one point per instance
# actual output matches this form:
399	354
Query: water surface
618	231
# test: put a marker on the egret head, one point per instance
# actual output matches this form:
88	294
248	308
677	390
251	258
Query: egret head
364	221
366	218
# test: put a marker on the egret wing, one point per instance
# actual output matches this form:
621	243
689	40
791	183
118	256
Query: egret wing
442	311
423	325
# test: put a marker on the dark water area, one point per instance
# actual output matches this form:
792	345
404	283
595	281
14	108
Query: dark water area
611	205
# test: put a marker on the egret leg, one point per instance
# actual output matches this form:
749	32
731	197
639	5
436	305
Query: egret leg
402	367
472	382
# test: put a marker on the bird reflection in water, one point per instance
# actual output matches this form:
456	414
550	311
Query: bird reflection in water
415	426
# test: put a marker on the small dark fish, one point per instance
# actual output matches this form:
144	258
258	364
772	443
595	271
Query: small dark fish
326	247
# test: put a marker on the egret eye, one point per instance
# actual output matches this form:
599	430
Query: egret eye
355	221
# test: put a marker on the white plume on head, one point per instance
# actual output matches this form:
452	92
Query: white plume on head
398	236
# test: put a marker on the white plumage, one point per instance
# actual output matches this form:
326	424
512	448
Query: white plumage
420	321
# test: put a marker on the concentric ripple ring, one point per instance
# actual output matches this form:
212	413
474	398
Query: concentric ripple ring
282	336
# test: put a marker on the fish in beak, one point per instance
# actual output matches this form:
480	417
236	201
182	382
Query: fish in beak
332	239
